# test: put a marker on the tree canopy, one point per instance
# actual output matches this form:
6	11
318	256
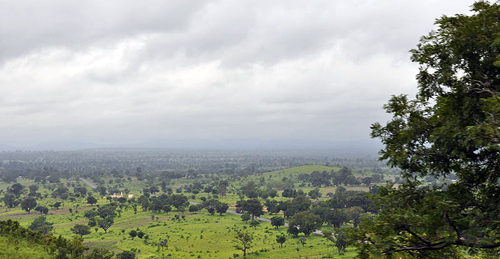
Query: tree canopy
451	128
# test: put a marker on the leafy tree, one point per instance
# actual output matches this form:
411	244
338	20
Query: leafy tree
91	213
336	217
17	189
140	234
92	223
281	239
193	208
289	193
91	200
10	200
367	180
61	192
210	205
100	253
144	201
244	240
451	129
33	188
317	179
250	190
298	204
82	191
42	209
221	207
315	193
277	221
126	255
132	234
105	223
354	214
293	230
163	244
101	190
253	206
56	205
167	208
245	216
305	221
41	224
28	204
179	200
339	239
81	230
303	241
156	204
272	206
108	210
254	223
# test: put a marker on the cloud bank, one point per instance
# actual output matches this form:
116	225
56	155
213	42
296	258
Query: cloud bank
133	71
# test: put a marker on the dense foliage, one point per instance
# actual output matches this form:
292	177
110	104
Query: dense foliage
451	129
58	247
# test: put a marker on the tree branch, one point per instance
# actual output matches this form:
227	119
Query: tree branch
407	229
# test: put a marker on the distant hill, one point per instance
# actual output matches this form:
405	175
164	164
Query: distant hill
358	148
7	148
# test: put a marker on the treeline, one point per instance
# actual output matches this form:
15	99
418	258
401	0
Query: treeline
342	177
52	166
306	215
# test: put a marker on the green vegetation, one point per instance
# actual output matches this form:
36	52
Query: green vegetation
450	130
158	221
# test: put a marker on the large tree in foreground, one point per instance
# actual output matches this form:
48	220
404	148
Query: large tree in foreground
451	129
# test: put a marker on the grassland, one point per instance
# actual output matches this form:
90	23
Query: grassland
199	235
194	235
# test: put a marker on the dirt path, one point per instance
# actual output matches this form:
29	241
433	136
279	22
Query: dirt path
92	185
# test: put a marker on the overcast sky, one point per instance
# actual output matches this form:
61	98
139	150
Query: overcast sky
132	71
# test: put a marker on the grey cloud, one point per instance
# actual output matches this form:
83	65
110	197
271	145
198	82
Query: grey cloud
101	72
29	25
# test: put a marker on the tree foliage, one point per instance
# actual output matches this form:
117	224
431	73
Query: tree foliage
41	224
281	239
277	221
57	247
81	230
306	222
28	204
243	240
451	128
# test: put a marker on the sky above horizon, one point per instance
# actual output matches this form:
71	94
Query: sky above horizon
133	71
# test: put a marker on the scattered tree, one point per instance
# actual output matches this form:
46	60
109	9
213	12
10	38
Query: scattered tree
244	240
132	233
245	216
91	200
277	221
41	224
254	223
281	239
81	230
306	222
28	204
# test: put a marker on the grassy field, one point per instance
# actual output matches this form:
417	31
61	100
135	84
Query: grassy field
199	235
